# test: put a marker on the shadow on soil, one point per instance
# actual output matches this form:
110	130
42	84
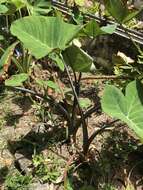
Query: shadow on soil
3	173
24	104
120	161
39	138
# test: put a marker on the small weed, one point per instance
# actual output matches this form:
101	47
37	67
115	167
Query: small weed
17	182
46	169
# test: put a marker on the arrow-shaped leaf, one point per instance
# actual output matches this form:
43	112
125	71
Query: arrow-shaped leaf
128	108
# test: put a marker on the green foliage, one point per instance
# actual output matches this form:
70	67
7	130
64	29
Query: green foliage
47	84
93	29
109	29
6	58
9	7
3	9
46	169
16	80
56	58
84	102
40	7
108	187
17	182
80	2
118	9
127	108
68	185
78	59
42	35
18	3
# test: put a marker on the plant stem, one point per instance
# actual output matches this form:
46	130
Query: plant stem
74	110
87	114
84	125
91	111
109	125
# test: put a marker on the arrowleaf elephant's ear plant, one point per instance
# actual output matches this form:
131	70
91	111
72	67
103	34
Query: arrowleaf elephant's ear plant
52	37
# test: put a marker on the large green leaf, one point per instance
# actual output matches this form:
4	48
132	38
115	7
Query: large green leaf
78	59
128	108
41	35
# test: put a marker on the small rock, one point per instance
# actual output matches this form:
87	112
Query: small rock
24	163
6	158
38	186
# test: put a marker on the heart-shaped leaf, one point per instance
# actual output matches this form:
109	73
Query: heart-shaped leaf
41	35
128	108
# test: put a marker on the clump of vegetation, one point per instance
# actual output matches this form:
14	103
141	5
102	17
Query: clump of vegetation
47	170
17	182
